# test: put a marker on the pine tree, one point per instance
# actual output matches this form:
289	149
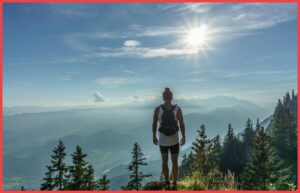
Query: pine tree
199	148
58	166
90	183
77	170
257	126
294	103
231	156
284	135
184	158
247	139
279	175
103	183
264	167
214	176
136	176
213	153
287	100
185	168
48	183
182	169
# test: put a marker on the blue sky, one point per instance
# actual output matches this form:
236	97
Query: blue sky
106	54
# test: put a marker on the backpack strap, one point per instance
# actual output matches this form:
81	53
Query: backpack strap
172	109
174	106
163	108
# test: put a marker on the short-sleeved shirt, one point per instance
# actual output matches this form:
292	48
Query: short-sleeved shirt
172	139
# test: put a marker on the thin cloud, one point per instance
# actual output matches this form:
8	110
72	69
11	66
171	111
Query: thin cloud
115	81
74	10
153	31
131	72
146	97
199	8
225	23
70	76
240	17
253	73
140	52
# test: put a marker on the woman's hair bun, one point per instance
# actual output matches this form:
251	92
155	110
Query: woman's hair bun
167	94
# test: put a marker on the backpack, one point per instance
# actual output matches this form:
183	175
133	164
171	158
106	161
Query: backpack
168	125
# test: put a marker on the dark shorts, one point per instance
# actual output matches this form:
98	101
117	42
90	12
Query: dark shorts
174	149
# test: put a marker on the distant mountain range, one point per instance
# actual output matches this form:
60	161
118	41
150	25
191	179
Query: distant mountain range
106	135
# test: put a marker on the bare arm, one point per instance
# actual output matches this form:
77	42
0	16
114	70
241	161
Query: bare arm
181	126
154	125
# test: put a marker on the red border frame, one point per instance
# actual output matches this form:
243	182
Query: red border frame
146	1
138	1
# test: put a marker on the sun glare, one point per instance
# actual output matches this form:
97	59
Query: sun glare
196	36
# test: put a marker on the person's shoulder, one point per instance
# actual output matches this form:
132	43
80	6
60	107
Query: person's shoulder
177	107
157	108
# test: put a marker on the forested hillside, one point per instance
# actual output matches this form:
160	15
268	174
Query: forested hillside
257	159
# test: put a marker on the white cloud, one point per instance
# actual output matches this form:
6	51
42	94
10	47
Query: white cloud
152	31
72	10
140	52
78	40
98	97
193	8
131	43
225	22
238	74
165	52
251	16
146	97
131	72
115	81
237	18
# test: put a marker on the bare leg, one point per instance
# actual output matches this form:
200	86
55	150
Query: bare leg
165	170
174	158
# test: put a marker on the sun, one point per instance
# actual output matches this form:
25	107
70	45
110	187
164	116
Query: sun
196	36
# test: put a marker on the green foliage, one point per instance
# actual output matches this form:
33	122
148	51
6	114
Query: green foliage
90	183
247	139
136	176
263	171
77	170
48	180
55	175
193	182
203	164
258	160
199	148
214	180
284	132
78	176
103	183
213	153
58	166
232	153
185	168
229	182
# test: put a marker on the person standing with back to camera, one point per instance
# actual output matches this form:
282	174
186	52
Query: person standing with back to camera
168	116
